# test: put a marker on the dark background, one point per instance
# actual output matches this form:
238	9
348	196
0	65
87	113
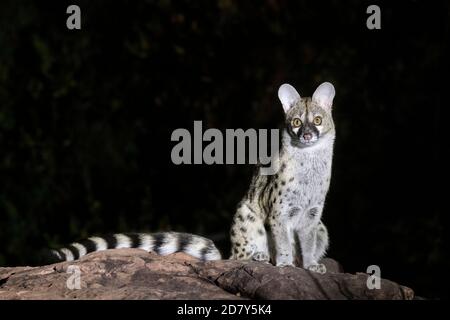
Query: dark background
86	119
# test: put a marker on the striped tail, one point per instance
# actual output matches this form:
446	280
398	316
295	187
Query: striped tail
162	243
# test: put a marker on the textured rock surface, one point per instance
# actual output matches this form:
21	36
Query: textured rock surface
136	274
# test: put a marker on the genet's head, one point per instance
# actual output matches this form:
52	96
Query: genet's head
307	119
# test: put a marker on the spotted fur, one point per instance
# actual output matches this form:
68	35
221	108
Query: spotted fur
288	205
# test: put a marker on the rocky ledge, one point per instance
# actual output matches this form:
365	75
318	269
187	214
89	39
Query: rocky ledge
137	274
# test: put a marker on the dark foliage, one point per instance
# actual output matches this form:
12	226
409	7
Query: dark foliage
86	119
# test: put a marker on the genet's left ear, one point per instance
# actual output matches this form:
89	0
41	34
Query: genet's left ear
324	95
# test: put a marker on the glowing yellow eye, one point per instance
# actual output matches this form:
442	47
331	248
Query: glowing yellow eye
317	120
296	122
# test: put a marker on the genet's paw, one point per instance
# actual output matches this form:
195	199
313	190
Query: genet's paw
260	256
318	267
285	264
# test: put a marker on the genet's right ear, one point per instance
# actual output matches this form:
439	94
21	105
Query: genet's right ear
288	96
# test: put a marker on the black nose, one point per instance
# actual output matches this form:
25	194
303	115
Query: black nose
307	136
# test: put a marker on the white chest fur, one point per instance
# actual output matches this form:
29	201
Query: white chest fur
307	173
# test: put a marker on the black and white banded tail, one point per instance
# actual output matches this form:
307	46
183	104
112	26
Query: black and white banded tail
162	243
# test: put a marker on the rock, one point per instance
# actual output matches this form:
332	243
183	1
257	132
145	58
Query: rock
137	274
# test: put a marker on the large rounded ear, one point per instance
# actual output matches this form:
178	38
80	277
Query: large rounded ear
324	95
288	96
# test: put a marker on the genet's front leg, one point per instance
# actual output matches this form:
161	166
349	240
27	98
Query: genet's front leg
248	236
282	243
308	245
